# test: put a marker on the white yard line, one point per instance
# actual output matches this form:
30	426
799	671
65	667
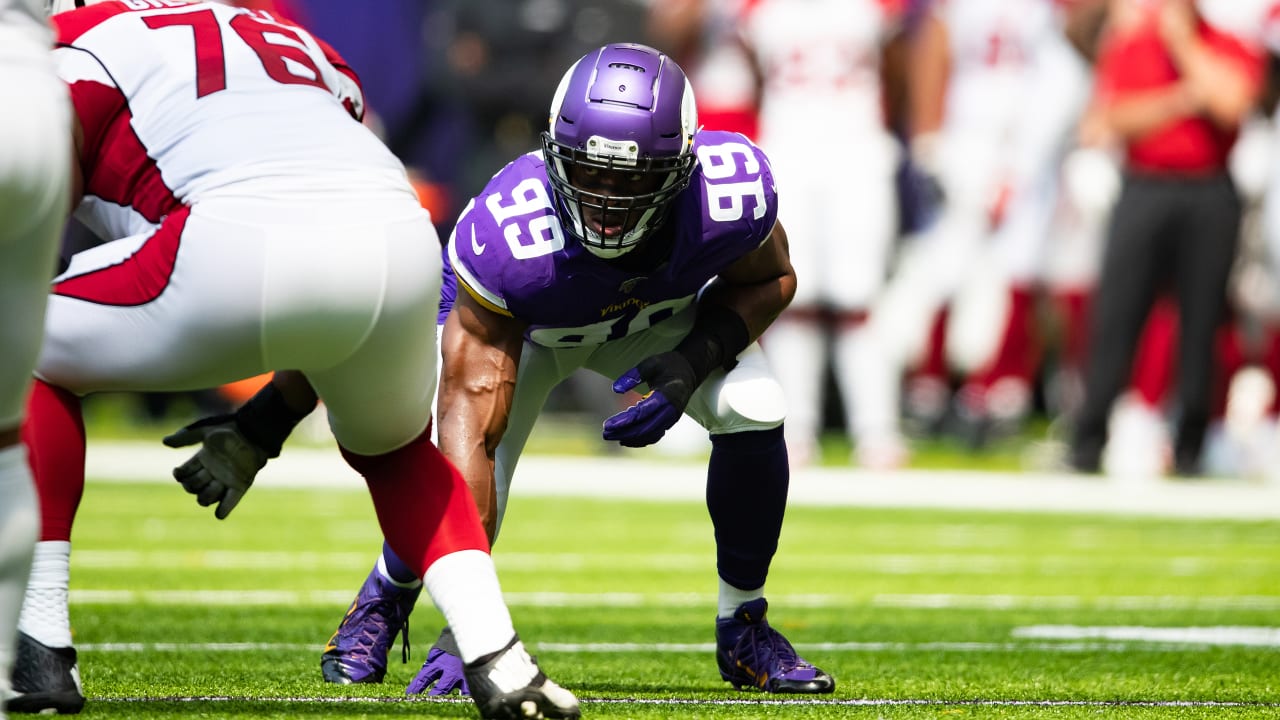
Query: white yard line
338	597
1218	635
642	479
1120	639
685	702
925	562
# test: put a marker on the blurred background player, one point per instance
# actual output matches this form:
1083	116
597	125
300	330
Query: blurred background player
647	251
1251	431
251	223
702	35
822	121
978	68
1173	89
35	166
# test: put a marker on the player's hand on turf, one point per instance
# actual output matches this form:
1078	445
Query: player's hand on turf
441	674
224	467
671	382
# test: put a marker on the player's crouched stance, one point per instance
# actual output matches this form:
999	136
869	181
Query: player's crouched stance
648	251
250	222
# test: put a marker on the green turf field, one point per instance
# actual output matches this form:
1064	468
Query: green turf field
918	614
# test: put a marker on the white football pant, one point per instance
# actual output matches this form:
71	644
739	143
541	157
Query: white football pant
345	292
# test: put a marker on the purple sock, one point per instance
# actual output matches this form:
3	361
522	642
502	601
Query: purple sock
747	480
396	568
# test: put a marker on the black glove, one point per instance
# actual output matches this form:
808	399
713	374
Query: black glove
224	467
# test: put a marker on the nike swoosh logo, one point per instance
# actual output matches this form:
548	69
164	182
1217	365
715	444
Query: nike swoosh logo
476	247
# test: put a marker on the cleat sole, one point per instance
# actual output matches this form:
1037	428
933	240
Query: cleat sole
45	703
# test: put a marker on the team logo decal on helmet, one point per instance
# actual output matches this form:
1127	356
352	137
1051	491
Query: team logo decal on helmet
619	146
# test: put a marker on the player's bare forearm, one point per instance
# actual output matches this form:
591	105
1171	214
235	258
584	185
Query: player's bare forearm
1224	92
928	70
481	353
759	286
1134	116
464	444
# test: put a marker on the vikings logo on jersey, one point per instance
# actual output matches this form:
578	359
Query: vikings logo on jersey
510	251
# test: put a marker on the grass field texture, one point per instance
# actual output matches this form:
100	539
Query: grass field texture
918	614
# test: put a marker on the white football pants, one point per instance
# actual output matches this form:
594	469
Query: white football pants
345	292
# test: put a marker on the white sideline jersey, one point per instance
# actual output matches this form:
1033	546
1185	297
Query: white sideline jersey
217	118
993	46
820	61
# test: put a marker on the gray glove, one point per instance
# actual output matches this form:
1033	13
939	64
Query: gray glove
224	467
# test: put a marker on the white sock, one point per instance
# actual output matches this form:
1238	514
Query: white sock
464	586
19	528
731	597
44	611
382	570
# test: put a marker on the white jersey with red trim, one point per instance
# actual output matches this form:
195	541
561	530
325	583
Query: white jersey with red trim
182	102
993	46
820	61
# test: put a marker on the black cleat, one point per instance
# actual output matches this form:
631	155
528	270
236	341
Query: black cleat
507	685
45	680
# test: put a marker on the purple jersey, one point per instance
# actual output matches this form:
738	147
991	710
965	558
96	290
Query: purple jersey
511	252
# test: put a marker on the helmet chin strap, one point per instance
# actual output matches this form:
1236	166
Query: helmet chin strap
597	246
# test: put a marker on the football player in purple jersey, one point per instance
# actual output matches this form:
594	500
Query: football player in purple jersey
640	247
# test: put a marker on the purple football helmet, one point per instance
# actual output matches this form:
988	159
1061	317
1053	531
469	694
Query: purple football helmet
619	147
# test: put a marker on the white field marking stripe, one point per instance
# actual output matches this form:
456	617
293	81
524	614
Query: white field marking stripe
1126	640
660	648
1135	602
220	559
725	702
342	598
874	647
1222	635
312	598
898	564
315	468
134	647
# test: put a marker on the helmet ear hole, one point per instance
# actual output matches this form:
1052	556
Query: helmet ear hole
626	109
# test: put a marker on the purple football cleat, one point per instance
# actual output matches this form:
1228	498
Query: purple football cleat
752	654
443	670
357	652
